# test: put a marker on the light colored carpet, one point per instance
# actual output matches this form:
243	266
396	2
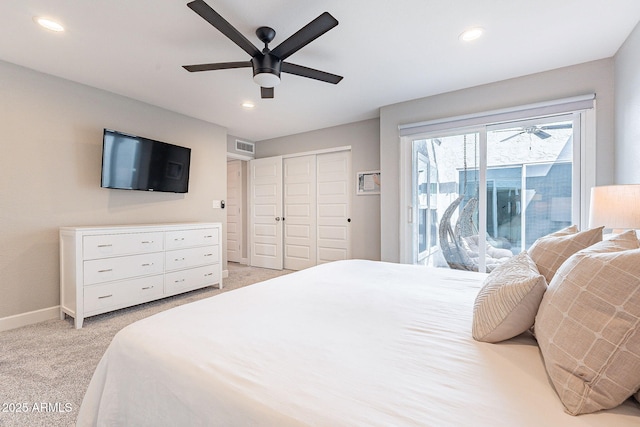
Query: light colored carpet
45	368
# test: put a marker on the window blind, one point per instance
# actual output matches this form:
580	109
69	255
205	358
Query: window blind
541	109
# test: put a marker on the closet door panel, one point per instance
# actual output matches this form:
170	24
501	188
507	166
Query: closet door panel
266	213
333	204
299	177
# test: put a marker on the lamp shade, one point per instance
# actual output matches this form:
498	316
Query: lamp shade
615	206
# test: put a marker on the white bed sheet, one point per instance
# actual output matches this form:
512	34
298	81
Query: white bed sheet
350	343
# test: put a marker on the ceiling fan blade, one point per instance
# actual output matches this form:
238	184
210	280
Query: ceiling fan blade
305	35
541	134
311	73
562	126
217	66
266	92
213	18
512	136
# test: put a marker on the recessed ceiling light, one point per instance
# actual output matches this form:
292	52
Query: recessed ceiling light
248	105
49	24
471	34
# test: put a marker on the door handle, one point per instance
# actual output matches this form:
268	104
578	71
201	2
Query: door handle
277	218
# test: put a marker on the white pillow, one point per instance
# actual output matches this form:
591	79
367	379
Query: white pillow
507	304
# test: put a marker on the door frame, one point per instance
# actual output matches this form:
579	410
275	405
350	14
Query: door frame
244	256
584	159
240	213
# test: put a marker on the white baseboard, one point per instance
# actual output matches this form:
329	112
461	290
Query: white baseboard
29	318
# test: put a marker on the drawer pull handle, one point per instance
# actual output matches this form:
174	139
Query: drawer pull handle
147	264
178	239
105	246
208	237
178	281
147	287
146	242
179	259
208	274
105	271
208	254
105	296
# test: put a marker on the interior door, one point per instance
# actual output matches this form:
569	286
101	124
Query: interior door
266	212
234	211
299	176
333	204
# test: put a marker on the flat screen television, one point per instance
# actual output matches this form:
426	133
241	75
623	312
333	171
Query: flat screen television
135	163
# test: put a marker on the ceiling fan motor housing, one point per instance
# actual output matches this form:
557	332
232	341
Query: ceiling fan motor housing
266	64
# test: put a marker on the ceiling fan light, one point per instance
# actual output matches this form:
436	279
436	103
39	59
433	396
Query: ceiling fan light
266	79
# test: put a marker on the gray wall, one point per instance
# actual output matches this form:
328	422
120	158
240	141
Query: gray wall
593	77
364	139
51	143
627	89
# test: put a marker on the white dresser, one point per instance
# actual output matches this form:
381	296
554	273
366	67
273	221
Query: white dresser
107	268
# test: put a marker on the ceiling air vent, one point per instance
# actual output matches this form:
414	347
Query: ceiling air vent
245	147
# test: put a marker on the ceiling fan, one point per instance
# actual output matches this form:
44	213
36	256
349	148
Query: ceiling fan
267	64
538	131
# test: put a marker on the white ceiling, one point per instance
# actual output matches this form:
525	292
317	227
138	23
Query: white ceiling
387	51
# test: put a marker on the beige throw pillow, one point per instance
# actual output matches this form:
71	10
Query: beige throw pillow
588	326
507	304
572	229
549	252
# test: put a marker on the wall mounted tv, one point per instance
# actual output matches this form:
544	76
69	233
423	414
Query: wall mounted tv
135	163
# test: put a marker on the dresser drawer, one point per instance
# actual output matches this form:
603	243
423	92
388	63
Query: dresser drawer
184	280
118	268
188	238
111	296
192	257
105	245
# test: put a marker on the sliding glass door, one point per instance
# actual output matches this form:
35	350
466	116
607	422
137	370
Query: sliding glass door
530	164
445	183
483	195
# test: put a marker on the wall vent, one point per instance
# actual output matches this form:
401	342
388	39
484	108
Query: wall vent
245	147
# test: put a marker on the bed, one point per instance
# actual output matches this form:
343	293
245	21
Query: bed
349	343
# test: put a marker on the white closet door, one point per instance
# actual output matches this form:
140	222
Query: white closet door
333	204
233	208
266	212
299	177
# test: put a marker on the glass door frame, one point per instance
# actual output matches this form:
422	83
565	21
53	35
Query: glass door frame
584	161
424	163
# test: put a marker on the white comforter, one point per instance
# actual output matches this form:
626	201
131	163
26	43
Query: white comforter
351	343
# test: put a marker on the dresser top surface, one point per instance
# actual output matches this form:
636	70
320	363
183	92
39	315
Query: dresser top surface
141	227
